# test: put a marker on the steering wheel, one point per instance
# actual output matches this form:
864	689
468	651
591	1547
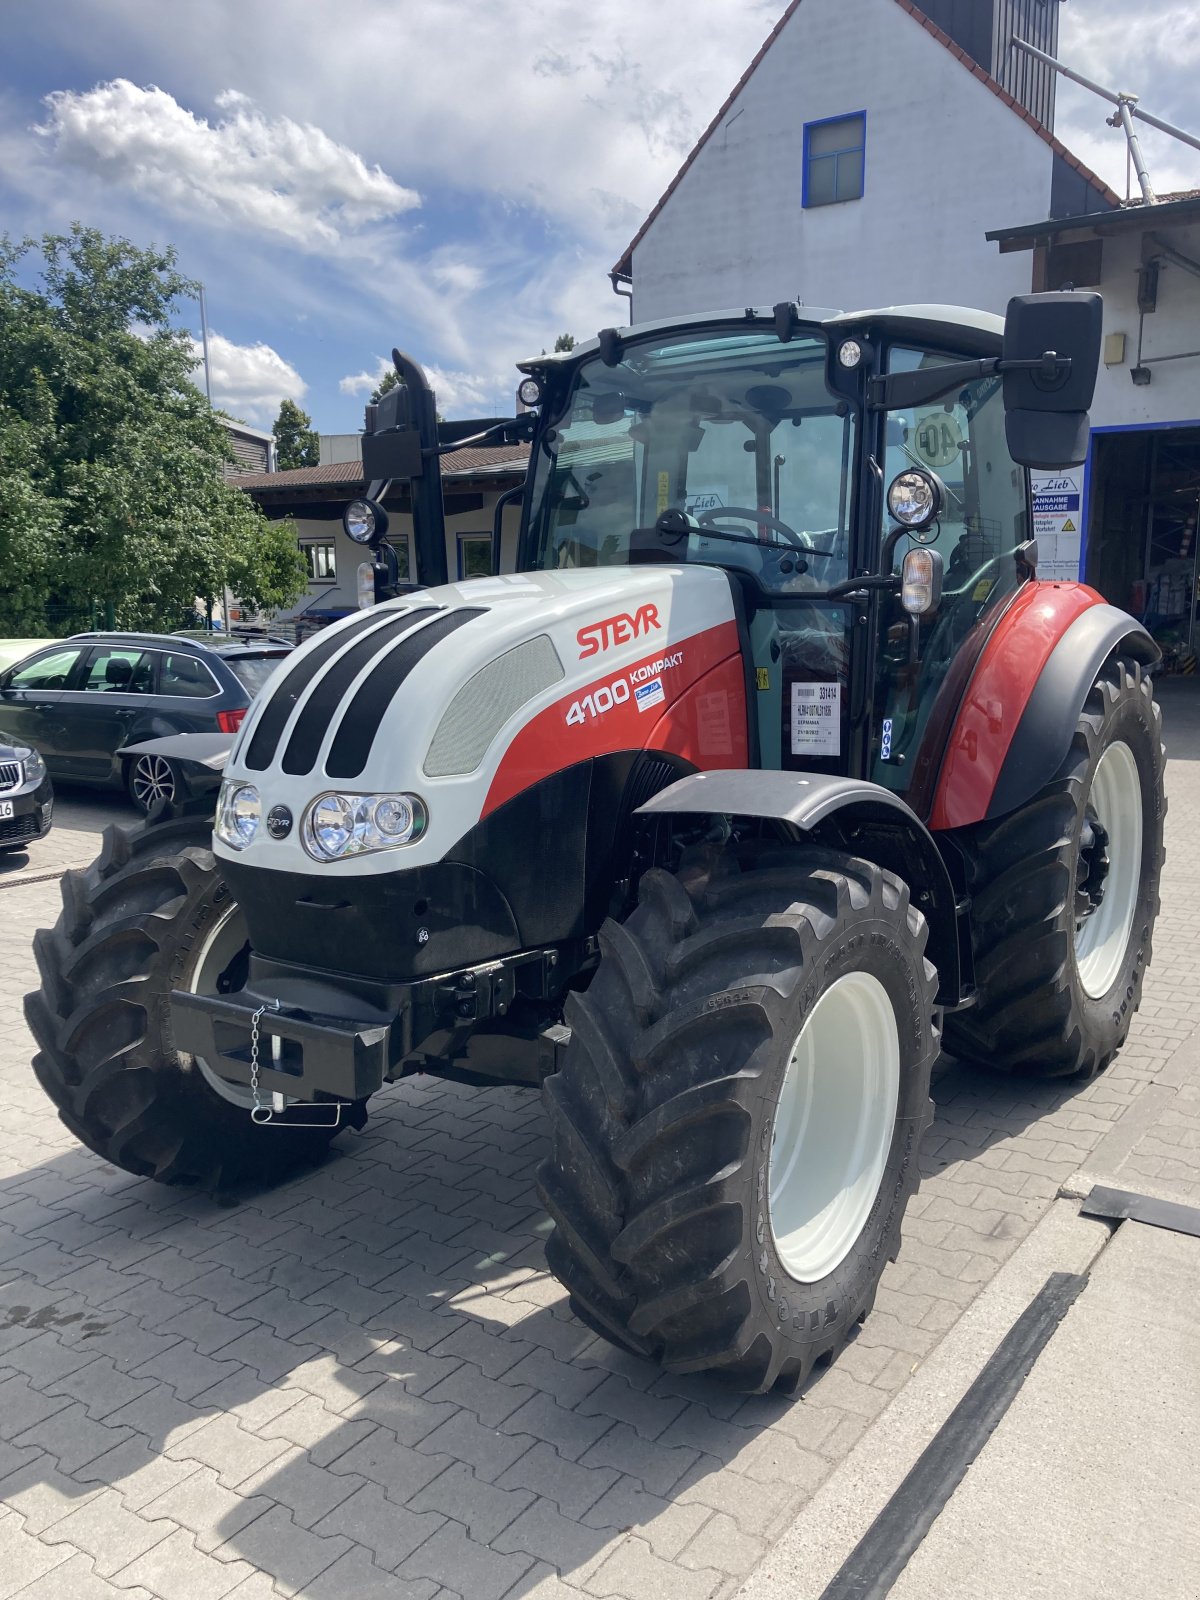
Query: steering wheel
708	519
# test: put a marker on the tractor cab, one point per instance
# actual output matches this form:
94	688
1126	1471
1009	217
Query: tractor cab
808	454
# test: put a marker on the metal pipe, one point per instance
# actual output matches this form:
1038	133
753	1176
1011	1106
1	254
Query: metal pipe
1125	106
1108	94
204	340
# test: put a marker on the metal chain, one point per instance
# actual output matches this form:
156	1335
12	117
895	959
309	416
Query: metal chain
259	1112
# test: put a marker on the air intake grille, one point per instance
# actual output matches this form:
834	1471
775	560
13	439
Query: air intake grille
10	774
485	702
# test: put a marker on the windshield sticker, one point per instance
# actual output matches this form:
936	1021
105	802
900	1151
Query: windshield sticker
937	438
664	492
649	694
711	498
816	719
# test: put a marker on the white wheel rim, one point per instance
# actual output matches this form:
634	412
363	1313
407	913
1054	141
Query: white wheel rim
834	1125
153	781
221	943
1102	938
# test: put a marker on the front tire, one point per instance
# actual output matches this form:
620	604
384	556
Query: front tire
736	1128
152	914
1064	896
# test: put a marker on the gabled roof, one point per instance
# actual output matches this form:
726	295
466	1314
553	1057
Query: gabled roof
624	267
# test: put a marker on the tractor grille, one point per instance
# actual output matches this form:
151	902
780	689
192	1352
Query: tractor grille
10	774
15	828
360	721
294	682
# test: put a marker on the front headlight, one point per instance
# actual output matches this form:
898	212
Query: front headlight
33	766
337	825
239	812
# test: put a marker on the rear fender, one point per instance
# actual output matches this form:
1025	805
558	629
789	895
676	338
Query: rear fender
1022	707
199	760
872	822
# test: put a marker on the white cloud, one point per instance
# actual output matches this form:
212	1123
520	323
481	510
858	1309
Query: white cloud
364	382
457	276
459	394
269	174
248	380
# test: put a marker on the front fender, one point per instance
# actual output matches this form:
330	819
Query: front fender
873	821
207	750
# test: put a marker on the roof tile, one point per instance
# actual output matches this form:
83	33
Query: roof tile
459	463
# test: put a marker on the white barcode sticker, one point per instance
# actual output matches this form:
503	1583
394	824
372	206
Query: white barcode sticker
816	719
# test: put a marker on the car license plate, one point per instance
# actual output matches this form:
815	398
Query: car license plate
6	809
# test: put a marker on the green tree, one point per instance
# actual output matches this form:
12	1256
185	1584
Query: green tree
389	381
111	496
296	443
565	341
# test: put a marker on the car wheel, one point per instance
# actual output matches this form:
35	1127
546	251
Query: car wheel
152	781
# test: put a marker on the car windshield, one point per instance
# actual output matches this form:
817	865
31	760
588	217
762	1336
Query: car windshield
253	671
736	430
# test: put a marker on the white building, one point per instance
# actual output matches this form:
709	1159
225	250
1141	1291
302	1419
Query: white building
861	159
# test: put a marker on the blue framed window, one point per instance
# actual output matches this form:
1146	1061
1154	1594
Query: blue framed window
834	159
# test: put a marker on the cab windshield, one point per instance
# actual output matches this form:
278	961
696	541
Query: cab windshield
738	431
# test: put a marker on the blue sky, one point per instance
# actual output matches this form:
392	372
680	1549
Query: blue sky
454	176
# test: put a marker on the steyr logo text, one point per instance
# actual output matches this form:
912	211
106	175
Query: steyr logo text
599	636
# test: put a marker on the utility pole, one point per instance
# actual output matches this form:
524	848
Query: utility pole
204	342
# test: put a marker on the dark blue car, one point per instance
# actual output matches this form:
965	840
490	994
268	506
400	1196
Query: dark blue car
82	701
26	797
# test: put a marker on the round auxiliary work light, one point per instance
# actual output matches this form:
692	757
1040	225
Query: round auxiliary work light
850	353
915	498
529	391
365	521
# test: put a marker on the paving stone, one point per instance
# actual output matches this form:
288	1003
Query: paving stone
633	1570
418	1370
290	1554
572	1488
722	1546
206	1508
452	1558
568	1431
72	1438
106	1531
179	1569
482	1508
666	1526
323	1433
101	1387
647	1414
389	1531
486	1398
487	1450
231	1451
382	1459
45	1359
75	1579
568	1385
355	1576
22	1406
308	1491
656	1465
23	1557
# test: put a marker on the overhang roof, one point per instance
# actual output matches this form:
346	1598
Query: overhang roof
1133	218
624	267
480	462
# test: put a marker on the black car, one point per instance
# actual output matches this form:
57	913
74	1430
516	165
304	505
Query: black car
26	797
82	701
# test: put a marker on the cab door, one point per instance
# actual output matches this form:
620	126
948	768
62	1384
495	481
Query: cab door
99	709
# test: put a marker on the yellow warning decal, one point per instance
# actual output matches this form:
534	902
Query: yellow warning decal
764	677
664	491
1068	527
982	589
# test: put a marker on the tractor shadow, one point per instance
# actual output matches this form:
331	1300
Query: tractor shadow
369	1365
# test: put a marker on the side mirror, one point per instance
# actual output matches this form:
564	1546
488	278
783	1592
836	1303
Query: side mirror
391	444
1050	358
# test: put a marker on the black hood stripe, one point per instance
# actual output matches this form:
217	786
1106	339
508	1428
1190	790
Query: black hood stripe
354	738
275	714
305	743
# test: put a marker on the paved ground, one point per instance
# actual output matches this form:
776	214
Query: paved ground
364	1383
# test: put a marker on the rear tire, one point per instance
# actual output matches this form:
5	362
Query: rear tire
136	924
1051	1003
668	1181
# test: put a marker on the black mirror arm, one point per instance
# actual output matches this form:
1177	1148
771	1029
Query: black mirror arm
516	430
897	389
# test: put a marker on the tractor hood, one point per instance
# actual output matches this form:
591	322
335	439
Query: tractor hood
468	694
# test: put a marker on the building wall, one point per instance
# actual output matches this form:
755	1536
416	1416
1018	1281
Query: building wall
946	160
342	595
338	447
1173	393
